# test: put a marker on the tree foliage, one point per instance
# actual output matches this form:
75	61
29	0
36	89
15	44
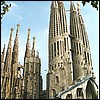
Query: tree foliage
93	3
4	8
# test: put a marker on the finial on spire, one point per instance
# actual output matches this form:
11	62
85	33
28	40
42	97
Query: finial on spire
12	29
78	7
29	32
71	1
54	4
18	25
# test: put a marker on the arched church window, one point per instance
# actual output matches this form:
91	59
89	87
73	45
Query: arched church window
53	92
79	93
69	96
57	80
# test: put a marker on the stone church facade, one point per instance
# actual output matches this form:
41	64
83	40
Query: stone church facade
70	71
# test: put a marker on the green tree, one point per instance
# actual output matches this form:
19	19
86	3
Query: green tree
93	3
4	8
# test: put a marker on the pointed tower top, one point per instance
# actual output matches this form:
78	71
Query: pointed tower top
15	47
18	25
16	38
12	29
27	52
71	1
29	32
78	7
72	6
54	4
60	1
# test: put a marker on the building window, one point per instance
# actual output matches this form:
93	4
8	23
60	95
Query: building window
52	51
80	48
55	49
55	65
77	48
88	56
69	96
62	88
83	38
58	64
58	47
79	93
78	33
65	44
85	57
57	80
54	92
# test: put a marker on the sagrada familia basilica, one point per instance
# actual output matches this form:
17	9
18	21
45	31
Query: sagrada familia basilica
70	71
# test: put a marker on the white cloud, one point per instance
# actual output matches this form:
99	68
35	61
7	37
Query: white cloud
18	17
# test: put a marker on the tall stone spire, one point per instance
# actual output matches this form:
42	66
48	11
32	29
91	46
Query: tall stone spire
78	7
3	53
14	63
63	19
59	50
2	64
54	4
72	6
2	58
8	53
88	69
26	65
15	48
27	53
7	66
76	43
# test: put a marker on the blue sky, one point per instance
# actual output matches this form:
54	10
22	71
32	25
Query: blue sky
36	15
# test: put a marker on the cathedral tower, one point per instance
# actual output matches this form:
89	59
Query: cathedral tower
60	63
6	69
76	43
69	53
2	63
26	64
88	68
32	71
14	63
